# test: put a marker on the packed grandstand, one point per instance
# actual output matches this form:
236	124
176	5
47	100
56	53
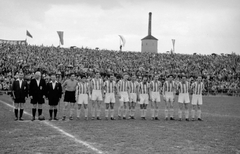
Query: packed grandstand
221	73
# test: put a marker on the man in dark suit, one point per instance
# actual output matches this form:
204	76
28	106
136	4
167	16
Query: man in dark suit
19	94
54	94
37	93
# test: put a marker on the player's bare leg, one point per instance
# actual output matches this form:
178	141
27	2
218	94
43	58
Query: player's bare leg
156	110
71	110
64	110
199	112
180	111
93	109
193	112
125	109
120	108
133	105
130	109
98	109
153	109
107	111
144	111
79	111
141	110
85	111
112	111
167	104
186	111
171	110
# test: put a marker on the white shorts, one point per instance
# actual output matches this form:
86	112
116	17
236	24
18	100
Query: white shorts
97	95
183	98
109	98
196	99
155	96
169	96
124	97
143	99
82	99
133	97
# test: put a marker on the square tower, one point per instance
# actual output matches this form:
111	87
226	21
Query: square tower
149	43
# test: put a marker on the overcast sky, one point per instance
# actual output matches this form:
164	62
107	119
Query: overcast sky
201	26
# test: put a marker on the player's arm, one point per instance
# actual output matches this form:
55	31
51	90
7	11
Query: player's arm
150	87
13	89
128	89
64	85
189	89
203	87
149	91
164	88
91	87
60	91
160	87
87	88
103	88
115	89
118	87
137	91
26	89
76	92
31	89
139	88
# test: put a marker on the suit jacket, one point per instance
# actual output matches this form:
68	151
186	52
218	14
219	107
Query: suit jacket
54	94
37	92
20	93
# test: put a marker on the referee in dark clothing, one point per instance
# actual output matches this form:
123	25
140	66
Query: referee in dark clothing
37	93
54	94
19	94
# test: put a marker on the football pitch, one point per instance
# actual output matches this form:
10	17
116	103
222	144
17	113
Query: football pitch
219	132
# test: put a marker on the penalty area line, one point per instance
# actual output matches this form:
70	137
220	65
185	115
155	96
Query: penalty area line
88	145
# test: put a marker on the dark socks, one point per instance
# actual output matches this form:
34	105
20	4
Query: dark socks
55	113
34	112
21	113
50	112
39	112
16	113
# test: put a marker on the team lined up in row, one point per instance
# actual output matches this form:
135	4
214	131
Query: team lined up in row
128	90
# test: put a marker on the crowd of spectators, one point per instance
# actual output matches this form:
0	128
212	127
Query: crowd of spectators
221	72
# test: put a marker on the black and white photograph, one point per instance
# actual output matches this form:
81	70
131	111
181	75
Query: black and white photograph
119	77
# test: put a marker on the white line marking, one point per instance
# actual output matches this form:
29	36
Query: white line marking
88	145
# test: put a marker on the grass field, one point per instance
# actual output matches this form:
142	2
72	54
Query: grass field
219	132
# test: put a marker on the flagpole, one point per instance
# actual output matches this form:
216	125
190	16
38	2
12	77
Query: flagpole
119	41
26	36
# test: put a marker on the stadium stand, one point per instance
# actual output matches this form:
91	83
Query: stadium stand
221	72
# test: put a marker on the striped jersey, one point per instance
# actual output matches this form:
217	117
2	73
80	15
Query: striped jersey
123	85
183	88
143	88
97	84
82	88
109	86
168	86
155	86
133	86
197	88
